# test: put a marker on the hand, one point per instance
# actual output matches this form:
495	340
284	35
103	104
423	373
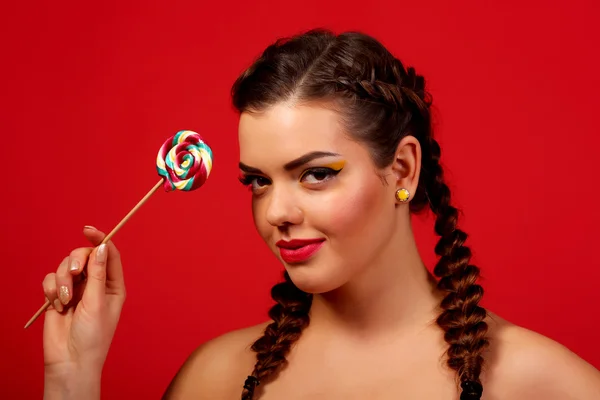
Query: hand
82	319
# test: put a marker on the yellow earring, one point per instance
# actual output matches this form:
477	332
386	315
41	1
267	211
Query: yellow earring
402	195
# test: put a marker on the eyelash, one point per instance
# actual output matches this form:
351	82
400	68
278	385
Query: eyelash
247	180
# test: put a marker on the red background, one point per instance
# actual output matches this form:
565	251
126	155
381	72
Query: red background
90	92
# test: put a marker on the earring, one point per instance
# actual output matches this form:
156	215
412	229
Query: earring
402	195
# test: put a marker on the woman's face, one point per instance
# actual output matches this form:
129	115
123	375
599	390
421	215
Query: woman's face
317	199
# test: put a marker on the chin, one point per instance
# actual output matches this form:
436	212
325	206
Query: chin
314	280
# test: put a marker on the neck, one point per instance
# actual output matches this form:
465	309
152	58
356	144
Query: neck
395	293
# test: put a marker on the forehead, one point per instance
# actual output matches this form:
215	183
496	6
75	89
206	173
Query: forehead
284	132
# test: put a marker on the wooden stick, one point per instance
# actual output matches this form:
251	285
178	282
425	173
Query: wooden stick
105	240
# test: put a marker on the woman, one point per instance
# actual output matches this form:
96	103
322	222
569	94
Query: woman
337	149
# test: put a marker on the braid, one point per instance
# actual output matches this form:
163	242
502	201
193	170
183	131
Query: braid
462	319
290	317
400	95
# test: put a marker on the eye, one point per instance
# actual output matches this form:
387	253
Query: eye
254	182
318	175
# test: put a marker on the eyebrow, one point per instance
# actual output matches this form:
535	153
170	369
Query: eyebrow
298	162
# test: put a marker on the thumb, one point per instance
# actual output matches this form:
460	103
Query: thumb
115	283
95	289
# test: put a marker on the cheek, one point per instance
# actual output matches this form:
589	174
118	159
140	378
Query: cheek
263	228
258	217
355	212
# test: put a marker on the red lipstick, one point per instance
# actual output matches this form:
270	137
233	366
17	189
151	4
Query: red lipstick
298	250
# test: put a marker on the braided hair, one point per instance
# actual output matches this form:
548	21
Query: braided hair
379	102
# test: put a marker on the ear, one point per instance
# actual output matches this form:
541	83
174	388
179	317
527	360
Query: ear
406	166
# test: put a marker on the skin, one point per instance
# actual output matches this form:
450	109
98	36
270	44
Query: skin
372	332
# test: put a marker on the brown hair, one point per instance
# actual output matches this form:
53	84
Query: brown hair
379	102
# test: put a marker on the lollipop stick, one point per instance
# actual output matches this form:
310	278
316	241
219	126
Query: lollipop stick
38	313
105	240
133	210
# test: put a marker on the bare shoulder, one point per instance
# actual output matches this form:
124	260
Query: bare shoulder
218	368
523	364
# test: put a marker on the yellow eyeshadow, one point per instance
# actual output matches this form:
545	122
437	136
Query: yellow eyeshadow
336	166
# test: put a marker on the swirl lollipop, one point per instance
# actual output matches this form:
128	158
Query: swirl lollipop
184	163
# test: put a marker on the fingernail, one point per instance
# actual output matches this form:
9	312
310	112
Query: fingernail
101	254
58	306
89	227
63	295
74	265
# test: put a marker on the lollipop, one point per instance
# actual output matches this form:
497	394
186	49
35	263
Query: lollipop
184	163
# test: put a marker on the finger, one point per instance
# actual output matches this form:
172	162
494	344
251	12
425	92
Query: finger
79	258
68	270
94	235
95	290
114	274
64	281
49	285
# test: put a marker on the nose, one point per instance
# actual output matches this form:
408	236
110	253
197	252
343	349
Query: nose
283	209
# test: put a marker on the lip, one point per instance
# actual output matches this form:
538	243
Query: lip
298	250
